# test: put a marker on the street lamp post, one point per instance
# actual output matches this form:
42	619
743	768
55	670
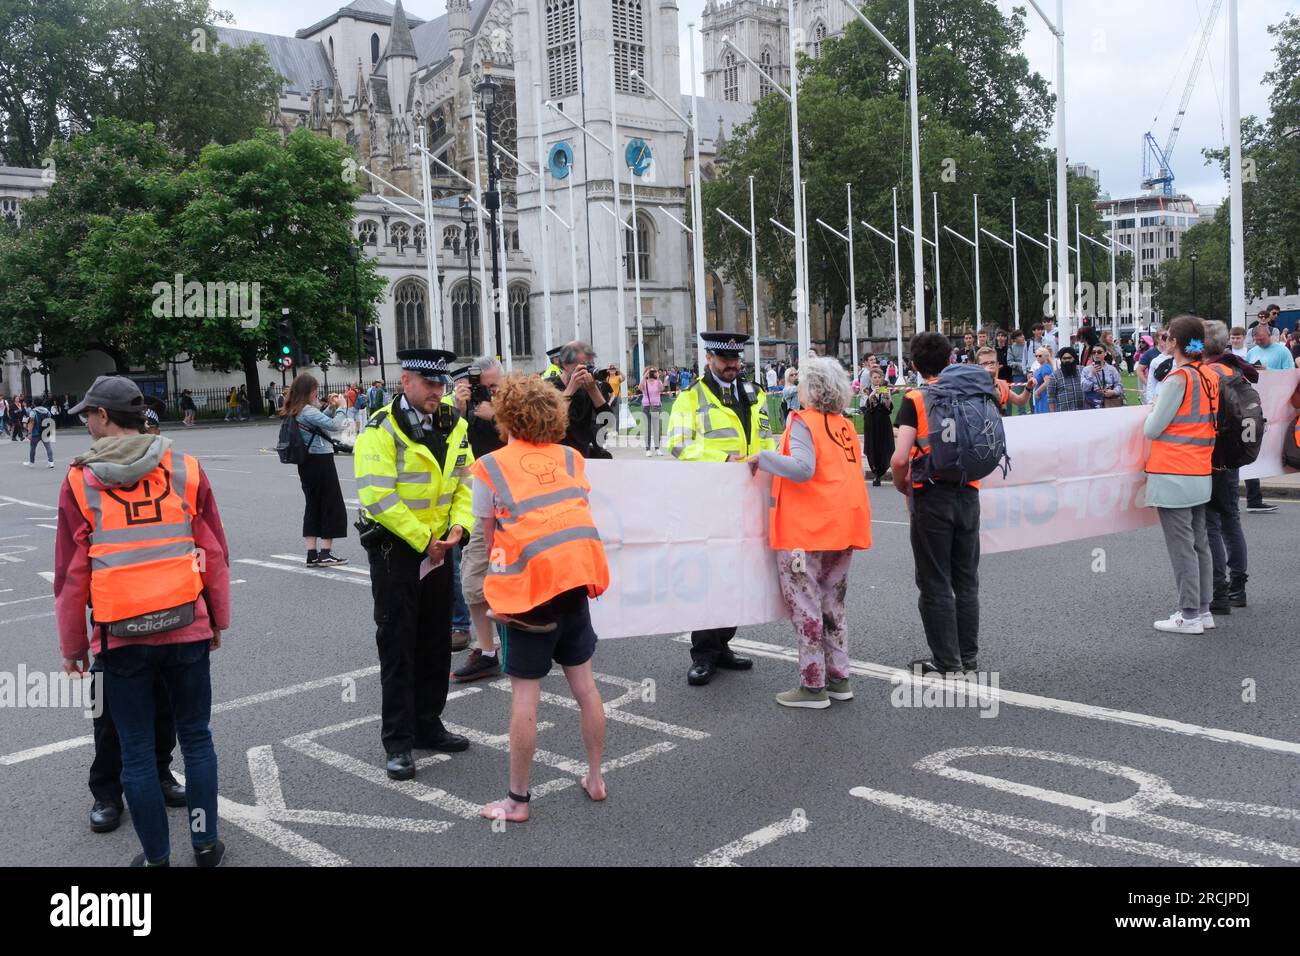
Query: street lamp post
467	216
487	91
1194	257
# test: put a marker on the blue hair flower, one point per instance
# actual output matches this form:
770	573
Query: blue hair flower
1195	345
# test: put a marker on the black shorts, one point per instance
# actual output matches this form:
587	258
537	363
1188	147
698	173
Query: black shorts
573	641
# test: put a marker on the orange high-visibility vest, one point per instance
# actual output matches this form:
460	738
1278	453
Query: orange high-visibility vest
545	541
142	553
1186	447
829	511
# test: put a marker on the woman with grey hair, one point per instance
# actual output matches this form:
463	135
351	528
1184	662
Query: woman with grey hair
819	516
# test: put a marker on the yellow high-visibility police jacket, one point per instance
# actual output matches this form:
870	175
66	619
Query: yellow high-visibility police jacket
702	428
403	486
553	371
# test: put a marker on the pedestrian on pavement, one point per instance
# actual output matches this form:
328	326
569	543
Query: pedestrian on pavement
408	463
375	398
187	406
721	418
269	395
651	408
4	415
1264	354
324	517
140	541
232	404
789	394
531	503
483	660
1223	511
1182	427
945	528
878	426
40	425
1065	387
17	419
819	516
615	383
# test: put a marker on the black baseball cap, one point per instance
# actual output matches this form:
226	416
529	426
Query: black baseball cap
114	392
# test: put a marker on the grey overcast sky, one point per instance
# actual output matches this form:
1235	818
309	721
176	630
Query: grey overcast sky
1126	66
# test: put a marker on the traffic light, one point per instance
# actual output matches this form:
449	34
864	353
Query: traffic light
287	350
370	344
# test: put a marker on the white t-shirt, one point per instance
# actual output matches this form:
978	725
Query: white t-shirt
771	378
1153	386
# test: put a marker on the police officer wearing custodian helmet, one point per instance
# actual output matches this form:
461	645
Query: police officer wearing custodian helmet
412	463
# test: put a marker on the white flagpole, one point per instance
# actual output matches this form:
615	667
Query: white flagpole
543	227
430	248
1015	261
979	310
697	210
490	346
796	184
636	276
753	277
853	286
620	244
918	248
503	302
1237	232
898	288
938	283
573	254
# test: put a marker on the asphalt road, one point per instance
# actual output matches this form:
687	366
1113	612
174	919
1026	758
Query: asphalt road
1111	743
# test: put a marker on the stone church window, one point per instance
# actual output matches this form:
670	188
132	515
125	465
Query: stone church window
418	239
819	38
521	327
401	237
731	79
629	45
451	239
561	47
409	305
367	231
374	48
464	319
765	61
644	239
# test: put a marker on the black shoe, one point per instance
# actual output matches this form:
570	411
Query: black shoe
141	860
1263	508
210	855
701	673
1237	590
476	667
105	817
173	792
730	662
930	669
972	666
400	766
328	560
445	742
1220	604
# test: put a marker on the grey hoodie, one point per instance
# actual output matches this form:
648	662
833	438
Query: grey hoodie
118	460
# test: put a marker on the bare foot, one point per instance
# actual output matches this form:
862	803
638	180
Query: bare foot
506	810
595	788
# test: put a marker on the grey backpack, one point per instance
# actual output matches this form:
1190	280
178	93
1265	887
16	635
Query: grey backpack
967	441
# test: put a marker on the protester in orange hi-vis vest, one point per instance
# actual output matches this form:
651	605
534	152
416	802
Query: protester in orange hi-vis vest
1182	426
139	539
545	560
819	516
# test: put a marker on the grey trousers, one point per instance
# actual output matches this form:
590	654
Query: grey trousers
1189	553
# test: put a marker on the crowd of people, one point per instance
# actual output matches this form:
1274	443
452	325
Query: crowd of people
476	524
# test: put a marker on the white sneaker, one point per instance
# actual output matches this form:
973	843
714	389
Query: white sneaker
659	452
1207	621
51	464
1180	625
27	464
647	452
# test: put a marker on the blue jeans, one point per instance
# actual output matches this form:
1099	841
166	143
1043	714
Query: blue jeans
129	674
459	611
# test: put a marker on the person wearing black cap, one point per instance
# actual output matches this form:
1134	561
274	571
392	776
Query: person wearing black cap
411	461
719	418
553	370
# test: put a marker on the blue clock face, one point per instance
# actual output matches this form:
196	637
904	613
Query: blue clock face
560	160
638	156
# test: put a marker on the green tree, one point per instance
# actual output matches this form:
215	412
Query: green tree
1172	289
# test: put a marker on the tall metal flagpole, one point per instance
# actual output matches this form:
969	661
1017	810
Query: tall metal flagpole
898	286
430	247
573	256
938	284
697	211
979	310
620	244
1015	260
853	284
803	192
543	226
1236	307
636	277
1078	264
490	346
753	276
796	181
918	262
503	302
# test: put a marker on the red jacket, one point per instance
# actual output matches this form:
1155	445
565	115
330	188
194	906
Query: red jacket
72	576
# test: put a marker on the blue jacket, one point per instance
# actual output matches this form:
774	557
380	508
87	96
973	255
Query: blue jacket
315	424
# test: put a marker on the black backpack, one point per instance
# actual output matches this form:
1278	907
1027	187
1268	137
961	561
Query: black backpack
1241	422
290	446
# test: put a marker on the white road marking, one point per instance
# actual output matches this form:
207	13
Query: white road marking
1051	704
303	569
52	527
239	581
39	597
233	471
10	537
926	810
726	855
613	713
28	617
29	504
337	567
47	575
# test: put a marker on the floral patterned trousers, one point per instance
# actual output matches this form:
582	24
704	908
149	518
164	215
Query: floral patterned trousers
813	584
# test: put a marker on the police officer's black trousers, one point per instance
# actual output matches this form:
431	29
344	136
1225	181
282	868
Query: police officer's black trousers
707	646
414	641
106	768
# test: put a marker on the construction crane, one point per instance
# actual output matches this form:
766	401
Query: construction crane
1156	169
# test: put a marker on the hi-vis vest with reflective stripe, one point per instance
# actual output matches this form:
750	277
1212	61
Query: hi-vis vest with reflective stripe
405	488
142	555
829	511
1186	446
545	541
701	428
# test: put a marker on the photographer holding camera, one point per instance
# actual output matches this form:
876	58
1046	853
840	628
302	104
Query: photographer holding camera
588	399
